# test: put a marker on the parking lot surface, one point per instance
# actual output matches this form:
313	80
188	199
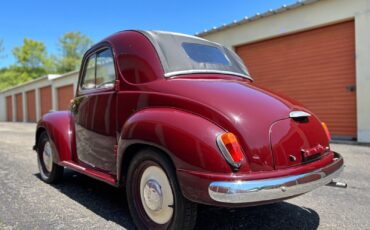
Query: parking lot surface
79	202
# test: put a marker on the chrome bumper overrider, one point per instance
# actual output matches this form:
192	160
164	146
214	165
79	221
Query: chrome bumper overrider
275	188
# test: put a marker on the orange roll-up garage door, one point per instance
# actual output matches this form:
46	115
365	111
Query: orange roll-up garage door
9	108
19	107
45	99
65	94
31	106
315	67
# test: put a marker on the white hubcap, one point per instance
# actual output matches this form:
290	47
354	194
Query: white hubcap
156	195
153	196
47	157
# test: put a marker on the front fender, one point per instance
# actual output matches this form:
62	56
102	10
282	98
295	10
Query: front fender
60	129
188	139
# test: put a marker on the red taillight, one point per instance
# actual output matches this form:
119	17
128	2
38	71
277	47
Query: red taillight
326	130
230	148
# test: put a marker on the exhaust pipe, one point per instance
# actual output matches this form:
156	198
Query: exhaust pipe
337	184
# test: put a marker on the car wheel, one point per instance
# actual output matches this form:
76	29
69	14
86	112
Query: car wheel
49	171
154	197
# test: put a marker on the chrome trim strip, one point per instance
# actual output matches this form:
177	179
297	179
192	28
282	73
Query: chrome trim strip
276	188
297	114
182	72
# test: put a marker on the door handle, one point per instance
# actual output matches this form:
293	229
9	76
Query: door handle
351	88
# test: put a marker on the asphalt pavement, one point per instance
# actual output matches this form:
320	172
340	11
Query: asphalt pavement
80	202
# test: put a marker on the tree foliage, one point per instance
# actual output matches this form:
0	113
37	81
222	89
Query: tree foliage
15	75
73	45
33	61
32	54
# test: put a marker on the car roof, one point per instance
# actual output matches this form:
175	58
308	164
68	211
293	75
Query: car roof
176	61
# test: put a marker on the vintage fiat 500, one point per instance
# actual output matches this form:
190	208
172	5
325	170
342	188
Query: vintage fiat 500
177	120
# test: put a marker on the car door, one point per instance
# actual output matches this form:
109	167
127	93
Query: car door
94	111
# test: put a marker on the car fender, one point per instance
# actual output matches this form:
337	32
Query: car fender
188	139
60	129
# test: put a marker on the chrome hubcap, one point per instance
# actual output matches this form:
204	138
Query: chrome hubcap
153	196
156	195
47	157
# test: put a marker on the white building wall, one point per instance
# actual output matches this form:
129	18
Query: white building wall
24	106
2	108
305	17
362	28
317	14
37	104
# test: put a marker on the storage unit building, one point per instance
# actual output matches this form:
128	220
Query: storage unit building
316	52
29	101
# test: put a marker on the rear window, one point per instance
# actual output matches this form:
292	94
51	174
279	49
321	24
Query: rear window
185	54
205	54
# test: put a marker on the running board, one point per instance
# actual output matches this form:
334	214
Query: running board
109	179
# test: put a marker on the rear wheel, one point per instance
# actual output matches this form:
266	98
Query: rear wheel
49	171
154	197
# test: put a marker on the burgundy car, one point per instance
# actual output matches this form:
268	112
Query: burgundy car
177	120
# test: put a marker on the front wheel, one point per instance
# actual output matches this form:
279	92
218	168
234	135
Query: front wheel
49	171
154	197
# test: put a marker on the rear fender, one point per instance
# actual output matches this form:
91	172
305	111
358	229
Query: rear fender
60	129
188	140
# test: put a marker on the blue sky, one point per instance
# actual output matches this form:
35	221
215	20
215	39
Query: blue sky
46	20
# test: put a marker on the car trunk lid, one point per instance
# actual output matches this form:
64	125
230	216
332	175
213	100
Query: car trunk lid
297	140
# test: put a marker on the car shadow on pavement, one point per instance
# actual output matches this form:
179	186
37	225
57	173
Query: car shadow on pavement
104	200
282	215
110	203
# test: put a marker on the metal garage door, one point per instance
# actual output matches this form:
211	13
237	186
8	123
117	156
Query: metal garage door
65	94
19	107
9	108
45	99
315	67
31	106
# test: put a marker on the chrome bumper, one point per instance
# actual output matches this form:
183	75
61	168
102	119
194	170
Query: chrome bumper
275	188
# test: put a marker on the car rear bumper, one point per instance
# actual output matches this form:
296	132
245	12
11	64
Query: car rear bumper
254	191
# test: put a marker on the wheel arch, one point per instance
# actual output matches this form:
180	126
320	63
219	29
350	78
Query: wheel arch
60	130
188	140
39	131
129	151
135	165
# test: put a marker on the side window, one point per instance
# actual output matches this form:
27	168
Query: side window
105	73
89	78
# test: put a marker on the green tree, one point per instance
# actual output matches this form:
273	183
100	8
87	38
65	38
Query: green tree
32	61
73	45
14	75
31	55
